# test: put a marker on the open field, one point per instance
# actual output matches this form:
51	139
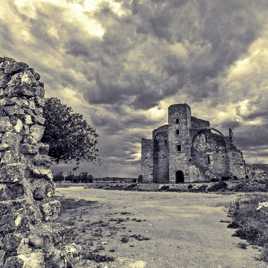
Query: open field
184	230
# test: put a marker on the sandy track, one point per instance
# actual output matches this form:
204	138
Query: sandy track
184	228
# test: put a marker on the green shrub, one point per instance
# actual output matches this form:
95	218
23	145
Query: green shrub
251	222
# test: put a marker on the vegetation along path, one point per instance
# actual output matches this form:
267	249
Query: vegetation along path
184	230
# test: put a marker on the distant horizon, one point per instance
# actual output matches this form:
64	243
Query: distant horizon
122	63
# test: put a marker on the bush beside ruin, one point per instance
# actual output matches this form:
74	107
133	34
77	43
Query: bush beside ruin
250	218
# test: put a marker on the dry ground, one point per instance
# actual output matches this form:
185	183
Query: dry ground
186	230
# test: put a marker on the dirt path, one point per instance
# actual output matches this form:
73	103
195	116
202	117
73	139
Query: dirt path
185	229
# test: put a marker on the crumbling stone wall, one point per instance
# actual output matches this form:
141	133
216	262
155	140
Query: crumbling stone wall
161	155
27	207
237	163
209	153
147	160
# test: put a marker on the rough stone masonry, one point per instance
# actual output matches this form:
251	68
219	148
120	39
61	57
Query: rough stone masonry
188	149
27	206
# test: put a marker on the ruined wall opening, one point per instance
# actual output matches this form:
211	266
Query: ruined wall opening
179	176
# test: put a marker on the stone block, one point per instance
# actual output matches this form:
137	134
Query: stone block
12	139
36	241
43	148
12	173
42	160
29	149
32	105
7	222
23	103
42	172
2	92
13	110
14	262
12	67
4	147
27	78
12	241
40	92
10	157
37	132
43	190
50	210
39	120
28	119
4	79
2	258
5	124
19	126
11	191
40	102
3	101
23	91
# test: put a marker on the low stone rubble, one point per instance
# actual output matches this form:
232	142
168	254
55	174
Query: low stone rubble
27	206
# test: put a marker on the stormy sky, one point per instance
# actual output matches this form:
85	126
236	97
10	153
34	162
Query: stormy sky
121	63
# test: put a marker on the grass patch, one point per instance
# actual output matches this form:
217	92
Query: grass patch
250	218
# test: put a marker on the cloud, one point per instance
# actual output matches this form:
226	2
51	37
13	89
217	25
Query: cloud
121	63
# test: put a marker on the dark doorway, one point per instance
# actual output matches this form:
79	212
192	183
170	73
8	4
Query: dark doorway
179	177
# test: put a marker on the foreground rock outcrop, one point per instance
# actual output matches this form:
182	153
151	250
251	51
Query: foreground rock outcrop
27	204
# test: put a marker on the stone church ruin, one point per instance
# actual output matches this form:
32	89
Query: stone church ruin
188	149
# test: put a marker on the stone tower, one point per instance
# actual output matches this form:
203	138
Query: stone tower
179	120
147	160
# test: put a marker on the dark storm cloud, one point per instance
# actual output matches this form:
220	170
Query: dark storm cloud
230	124
5	36
219	33
256	136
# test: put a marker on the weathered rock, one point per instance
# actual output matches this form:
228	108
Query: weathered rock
13	110
12	139
29	149
12	173
42	160
43	190
10	157
26	189
36	241
19	126
39	120
42	172
13	262
43	149
11	191
4	147
28	119
5	124
51	210
2	257
37	132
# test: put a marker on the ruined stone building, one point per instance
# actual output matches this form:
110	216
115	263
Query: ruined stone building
188	149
